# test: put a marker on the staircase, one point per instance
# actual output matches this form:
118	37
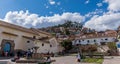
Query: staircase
103	48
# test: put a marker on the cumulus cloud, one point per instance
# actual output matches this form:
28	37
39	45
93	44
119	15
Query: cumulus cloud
104	22
99	4
109	20
113	5
33	20
52	2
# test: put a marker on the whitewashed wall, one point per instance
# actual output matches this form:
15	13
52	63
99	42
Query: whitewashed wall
46	48
91	41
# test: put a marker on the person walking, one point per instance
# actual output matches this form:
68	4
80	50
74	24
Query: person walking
78	57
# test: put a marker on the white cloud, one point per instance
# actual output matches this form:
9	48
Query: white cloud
109	20
99	4
106	21
52	2
87	1
114	5
96	12
29	20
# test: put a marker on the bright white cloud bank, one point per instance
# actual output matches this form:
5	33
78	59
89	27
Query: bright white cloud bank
113	5
33	20
109	20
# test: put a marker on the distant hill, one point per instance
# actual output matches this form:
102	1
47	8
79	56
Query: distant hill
67	27
69	24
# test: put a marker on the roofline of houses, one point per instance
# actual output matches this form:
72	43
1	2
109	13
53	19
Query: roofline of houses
13	26
96	37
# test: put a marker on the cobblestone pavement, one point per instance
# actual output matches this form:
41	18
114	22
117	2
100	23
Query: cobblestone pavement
67	60
111	60
72	60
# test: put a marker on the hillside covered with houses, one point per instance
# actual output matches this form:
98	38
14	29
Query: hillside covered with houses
64	31
75	34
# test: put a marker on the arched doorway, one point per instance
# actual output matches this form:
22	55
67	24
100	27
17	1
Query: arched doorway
7	47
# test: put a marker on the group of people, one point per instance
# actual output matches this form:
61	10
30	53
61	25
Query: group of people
19	54
30	52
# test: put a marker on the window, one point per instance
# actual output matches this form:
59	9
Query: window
88	41
34	37
42	44
106	39
94	40
28	41
50	45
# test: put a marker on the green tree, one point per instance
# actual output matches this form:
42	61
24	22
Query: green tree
67	44
67	32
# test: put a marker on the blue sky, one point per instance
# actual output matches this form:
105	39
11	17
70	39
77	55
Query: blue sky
39	6
43	13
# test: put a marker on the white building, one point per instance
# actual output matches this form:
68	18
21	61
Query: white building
14	37
95	37
47	45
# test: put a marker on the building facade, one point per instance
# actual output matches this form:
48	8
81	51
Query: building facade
14	37
95	37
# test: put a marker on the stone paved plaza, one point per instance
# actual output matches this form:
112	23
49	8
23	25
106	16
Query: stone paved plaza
67	60
72	60
112	60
